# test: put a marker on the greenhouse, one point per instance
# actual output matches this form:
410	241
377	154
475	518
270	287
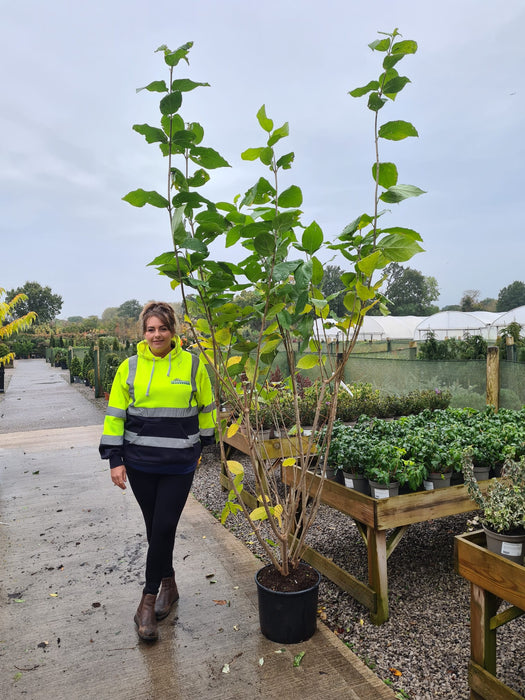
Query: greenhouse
456	324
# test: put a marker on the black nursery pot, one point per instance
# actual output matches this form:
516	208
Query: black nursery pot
288	617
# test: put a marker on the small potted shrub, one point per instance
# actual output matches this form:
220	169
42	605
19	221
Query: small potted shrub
75	371
502	506
391	470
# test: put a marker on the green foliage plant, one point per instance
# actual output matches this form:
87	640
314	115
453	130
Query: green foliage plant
268	249
503	503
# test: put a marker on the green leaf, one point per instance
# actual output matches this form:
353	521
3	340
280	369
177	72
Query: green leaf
152	133
155	86
312	238
390	61
264	121
285	162
172	124
207	158
363	292
410	233
308	362
197	129
317	271
298	658
140	197
232	236
171	103
380	45
375	102
398	193
172	58
178	229
395	85
200	177
368	265
266	156
183	138
387	174
397	130
264	244
185	85
192	243
359	92
252	153
399	248
292	197
278	134
260	193
404	47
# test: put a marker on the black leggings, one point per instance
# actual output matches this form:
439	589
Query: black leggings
161	498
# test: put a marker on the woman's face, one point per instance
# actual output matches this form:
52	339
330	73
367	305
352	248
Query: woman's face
158	336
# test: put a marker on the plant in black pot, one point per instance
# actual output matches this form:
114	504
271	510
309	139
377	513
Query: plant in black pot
502	507
278	266
391	469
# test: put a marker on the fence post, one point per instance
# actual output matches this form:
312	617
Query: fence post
493	376
412	349
96	367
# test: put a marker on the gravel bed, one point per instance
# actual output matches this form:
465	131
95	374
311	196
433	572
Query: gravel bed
423	650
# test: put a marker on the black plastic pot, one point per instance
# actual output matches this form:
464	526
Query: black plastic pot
288	617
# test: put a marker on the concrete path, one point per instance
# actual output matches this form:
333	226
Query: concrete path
72	556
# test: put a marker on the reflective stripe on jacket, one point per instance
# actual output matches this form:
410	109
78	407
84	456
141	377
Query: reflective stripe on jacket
158	411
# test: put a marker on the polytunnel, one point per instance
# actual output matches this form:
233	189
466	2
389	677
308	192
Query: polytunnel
374	328
516	315
457	324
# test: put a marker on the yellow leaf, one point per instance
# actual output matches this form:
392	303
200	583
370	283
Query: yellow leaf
223	336
233	360
235	467
54	595
395	671
232	430
277	512
289	462
258	514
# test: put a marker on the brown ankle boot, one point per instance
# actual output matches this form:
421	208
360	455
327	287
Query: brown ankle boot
168	594
145	618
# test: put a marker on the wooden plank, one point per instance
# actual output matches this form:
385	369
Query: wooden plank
357	589
487	686
270	449
505	616
494	573
377	573
396	511
483	605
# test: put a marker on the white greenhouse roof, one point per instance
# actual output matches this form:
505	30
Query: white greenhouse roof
516	315
454	324
376	328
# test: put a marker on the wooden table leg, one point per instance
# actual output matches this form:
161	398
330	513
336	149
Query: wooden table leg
483	606
377	573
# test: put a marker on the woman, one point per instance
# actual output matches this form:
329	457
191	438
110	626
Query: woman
160	412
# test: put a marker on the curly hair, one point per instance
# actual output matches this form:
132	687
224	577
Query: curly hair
162	310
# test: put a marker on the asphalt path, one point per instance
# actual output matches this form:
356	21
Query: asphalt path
72	553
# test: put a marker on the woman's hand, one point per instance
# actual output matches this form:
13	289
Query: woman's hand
118	476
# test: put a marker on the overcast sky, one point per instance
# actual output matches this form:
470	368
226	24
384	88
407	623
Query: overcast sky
69	73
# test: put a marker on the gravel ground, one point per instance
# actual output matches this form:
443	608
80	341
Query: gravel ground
424	648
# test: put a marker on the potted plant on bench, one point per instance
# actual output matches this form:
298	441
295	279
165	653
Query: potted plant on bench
502	506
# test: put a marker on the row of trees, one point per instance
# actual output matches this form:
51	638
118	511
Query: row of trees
408	291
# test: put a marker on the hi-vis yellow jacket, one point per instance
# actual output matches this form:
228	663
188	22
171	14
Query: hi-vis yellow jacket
160	412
